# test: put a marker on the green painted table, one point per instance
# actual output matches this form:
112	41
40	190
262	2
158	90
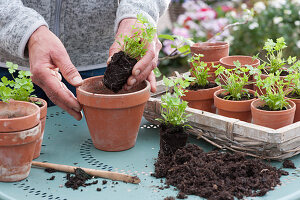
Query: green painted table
67	141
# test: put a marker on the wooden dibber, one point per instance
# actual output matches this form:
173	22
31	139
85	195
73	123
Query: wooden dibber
93	172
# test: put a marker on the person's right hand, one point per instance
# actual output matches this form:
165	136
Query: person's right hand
47	55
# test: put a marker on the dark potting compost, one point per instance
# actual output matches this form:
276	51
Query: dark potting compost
79	179
196	87
288	164
267	108
216	175
118	71
243	98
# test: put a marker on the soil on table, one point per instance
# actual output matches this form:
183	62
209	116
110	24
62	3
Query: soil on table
79	179
118	71
244	97
288	164
293	96
196	87
267	108
216	175
171	138
169	198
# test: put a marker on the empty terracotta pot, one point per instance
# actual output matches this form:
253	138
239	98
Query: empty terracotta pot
212	51
234	109
17	142
113	119
202	99
227	62
272	119
297	112
43	114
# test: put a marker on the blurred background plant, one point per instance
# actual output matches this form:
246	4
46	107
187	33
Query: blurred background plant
199	20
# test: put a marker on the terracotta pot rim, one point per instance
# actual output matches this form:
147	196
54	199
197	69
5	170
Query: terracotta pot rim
89	94
231	101
275	112
37	111
266	75
210	45
223	60
43	108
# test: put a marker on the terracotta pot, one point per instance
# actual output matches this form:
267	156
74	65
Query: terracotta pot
272	119
18	144
297	112
113	119
212	51
202	99
227	62
43	114
235	109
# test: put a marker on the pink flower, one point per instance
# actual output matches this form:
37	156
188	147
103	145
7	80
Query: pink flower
226	8
181	31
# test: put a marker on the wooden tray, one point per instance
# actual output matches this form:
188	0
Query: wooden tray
233	134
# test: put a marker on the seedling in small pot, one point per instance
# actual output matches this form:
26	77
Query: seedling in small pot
294	80
274	57
132	49
234	81
174	116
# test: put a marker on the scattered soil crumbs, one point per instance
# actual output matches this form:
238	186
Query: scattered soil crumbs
98	189
104	182
118	71
169	198
288	164
216	175
49	170
51	178
79	179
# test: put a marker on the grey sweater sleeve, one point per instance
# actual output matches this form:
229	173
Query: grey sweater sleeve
17	23
151	9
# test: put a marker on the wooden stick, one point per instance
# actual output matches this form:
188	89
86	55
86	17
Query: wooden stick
93	172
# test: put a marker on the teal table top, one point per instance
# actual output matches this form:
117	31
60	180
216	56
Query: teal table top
67	141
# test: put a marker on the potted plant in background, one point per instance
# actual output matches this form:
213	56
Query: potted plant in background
20	89
274	60
234	99
200	92
272	109
294	87
228	62
113	118
20	127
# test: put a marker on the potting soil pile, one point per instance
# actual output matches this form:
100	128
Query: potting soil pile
216	175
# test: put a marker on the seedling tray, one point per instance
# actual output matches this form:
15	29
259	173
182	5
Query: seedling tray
67	141
233	134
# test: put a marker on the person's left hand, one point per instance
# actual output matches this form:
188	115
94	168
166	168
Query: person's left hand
143	69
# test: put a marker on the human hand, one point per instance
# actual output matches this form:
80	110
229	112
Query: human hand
144	67
47	55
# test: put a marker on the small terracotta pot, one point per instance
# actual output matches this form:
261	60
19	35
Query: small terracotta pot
235	109
202	99
297	112
212	51
272	119
227	62
113	119
43	114
18	144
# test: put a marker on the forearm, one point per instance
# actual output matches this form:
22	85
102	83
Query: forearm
17	23
151	9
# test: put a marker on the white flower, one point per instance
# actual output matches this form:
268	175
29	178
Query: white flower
297	23
244	6
259	7
298	43
232	14
296	2
277	3
287	12
277	20
253	25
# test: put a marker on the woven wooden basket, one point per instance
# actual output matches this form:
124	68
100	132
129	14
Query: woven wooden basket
233	134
